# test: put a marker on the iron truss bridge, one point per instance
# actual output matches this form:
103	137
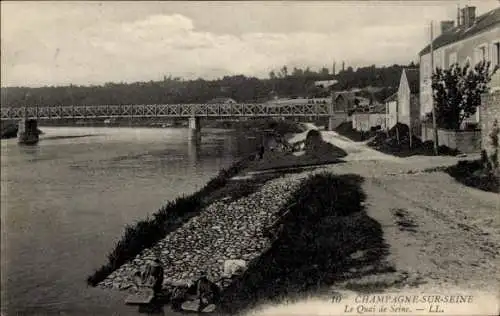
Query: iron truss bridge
166	110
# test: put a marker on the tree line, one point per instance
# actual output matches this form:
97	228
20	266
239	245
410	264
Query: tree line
296	82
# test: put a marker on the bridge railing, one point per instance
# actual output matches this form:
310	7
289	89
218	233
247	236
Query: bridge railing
165	110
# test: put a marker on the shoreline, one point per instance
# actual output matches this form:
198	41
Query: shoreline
147	233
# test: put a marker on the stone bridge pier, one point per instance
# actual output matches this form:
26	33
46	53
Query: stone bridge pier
194	129
27	131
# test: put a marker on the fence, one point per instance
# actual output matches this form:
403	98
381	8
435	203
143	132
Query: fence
463	140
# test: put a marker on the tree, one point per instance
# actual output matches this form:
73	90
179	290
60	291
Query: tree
457	92
284	71
324	72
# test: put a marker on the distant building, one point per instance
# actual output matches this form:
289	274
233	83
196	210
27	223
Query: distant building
472	40
346	101
343	101
290	101
325	83
391	110
222	101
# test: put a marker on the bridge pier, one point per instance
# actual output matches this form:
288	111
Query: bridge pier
27	131
194	129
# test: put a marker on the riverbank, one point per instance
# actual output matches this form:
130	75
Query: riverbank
147	233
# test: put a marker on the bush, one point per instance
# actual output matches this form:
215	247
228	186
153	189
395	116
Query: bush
474	174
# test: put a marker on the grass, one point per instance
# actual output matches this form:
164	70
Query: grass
324	224
472	174
146	233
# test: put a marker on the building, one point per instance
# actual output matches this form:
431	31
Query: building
391	110
325	83
471	40
346	101
408	107
222	101
293	101
490	118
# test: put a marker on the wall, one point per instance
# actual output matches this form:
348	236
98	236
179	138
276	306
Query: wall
392	117
490	111
404	100
464	50
415	114
464	141
364	121
337	119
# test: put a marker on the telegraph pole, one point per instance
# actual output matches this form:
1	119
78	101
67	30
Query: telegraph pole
434	127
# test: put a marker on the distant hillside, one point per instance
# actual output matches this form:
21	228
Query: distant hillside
299	82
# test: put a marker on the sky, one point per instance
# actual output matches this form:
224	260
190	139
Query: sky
83	43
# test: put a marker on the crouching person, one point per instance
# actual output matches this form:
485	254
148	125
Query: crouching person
157	275
200	296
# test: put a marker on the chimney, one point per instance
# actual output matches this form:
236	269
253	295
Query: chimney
458	16
468	16
446	26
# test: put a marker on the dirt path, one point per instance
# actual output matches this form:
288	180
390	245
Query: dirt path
440	232
440	235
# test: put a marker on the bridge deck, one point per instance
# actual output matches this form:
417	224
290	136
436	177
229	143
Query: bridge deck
166	110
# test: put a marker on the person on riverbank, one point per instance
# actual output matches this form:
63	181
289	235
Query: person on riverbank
157	274
207	292
200	296
151	276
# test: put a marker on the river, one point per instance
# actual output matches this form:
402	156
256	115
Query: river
66	201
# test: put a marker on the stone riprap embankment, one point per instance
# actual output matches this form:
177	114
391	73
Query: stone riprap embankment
223	231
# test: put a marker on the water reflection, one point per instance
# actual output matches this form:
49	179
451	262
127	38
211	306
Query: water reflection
29	150
193	152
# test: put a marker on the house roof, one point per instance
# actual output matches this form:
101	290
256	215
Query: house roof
413	77
482	23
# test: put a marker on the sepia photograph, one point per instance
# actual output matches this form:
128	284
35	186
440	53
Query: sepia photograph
253	158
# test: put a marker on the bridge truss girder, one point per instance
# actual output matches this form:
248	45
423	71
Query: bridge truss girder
166	110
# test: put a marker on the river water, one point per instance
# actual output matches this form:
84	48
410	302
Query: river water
65	203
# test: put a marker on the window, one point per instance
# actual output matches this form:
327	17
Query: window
481	53
495	54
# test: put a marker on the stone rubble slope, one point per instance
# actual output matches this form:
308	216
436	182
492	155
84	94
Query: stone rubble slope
222	231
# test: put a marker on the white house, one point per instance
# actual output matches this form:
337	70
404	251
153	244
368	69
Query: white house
471	40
